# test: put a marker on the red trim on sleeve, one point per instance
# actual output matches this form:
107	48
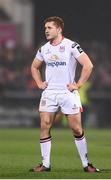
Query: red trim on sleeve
81	109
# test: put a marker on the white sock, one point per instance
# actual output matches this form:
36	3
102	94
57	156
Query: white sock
45	145
82	149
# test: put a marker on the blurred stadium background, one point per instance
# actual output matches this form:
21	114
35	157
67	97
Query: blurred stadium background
21	33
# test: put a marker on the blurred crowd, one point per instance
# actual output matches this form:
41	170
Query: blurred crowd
15	65
100	90
100	54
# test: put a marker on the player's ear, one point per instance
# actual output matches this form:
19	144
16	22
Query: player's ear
59	30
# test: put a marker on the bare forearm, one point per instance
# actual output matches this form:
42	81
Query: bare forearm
38	79
85	74
36	76
36	64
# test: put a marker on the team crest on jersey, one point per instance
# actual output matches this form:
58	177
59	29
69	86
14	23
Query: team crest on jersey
54	57
62	48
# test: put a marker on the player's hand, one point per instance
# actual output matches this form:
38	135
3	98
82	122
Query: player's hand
43	85
72	87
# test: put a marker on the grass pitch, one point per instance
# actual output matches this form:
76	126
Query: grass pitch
20	151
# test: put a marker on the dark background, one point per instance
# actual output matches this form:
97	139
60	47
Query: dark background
84	19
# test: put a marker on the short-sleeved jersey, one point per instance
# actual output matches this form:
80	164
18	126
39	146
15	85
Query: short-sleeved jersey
61	61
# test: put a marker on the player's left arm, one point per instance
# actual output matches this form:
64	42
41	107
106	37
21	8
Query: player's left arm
86	64
87	67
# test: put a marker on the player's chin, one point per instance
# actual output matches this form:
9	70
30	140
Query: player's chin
48	38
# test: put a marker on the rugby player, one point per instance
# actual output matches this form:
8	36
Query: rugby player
60	91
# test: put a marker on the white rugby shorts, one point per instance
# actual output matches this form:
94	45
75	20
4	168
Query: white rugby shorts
68	102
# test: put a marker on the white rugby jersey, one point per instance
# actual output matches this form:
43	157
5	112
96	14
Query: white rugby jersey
61	61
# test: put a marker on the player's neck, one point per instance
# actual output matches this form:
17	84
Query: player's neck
57	41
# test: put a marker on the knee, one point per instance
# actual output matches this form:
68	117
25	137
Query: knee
45	124
77	131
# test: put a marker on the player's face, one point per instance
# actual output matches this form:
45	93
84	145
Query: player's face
51	31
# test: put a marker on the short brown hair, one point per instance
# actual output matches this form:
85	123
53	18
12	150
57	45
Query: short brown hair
57	21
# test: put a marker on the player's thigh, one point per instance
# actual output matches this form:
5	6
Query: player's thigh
58	116
74	121
47	119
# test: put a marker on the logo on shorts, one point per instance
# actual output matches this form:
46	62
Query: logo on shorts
74	106
43	102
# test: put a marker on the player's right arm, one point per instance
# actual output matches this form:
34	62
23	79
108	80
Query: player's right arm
35	70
